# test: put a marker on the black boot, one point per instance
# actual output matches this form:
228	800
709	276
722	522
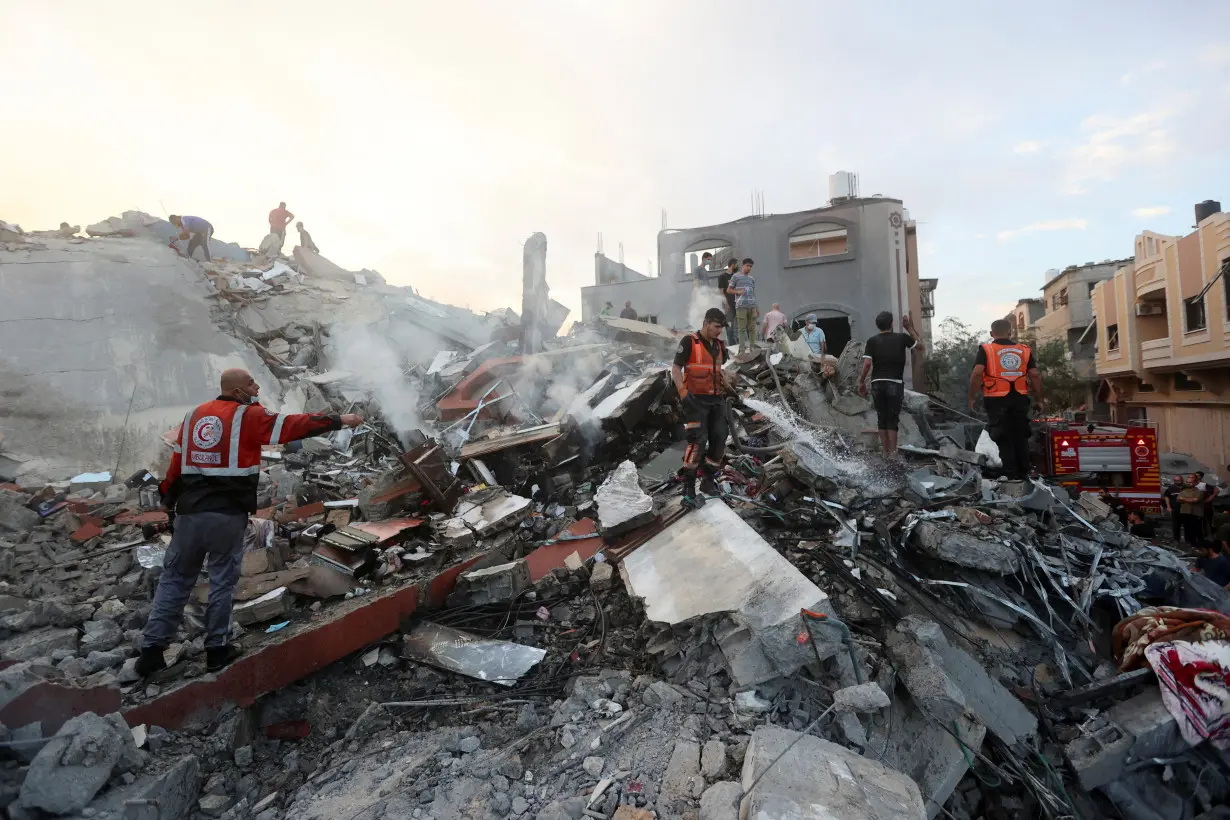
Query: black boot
219	657
691	499
150	661
708	484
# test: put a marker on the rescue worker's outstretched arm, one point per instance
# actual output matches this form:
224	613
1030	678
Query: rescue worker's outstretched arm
280	428
919	350
975	384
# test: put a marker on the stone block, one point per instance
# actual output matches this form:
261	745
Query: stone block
1154	731
1098	756
622	504
168	794
713	759
996	707
822	779
73	766
601	576
15	517
924	678
721	801
956	547
682	781
101	636
864	698
39	643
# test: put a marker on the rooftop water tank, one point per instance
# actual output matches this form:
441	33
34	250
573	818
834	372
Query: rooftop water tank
1203	209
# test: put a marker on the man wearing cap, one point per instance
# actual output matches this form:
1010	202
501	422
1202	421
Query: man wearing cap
701	382
814	336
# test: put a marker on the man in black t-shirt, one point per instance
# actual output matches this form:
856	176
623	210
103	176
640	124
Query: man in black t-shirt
723	282
884	361
1004	373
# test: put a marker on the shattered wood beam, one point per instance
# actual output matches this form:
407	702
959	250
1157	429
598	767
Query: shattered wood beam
1102	688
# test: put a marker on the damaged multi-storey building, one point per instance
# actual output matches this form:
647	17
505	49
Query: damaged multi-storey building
844	262
487	601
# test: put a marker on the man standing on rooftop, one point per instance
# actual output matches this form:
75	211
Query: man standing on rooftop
279	218
772	321
884	360
743	288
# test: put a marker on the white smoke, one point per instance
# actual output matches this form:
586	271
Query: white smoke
703	298
377	365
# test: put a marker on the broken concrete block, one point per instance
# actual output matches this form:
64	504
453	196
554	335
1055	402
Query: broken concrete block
489	511
822	779
954	546
487	659
713	759
374	718
622	504
682	780
25	747
925	679
721	801
274	604
101	636
492	585
996	707
73	766
864	698
14	516
97	661
601	576
168	795
712	562
1098	756
659	693
39	643
1154	731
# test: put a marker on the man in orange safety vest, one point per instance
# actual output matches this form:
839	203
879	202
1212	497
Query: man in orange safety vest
1004	374
701	382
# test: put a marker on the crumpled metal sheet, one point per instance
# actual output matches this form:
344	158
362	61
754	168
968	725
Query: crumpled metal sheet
486	659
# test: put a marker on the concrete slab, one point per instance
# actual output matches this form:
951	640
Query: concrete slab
996	707
710	562
950	544
818	779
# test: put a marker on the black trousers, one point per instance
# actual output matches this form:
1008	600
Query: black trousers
1193	528
705	429
199	240
887	398
1008	426
1176	520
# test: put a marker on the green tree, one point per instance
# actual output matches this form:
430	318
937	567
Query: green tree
1063	388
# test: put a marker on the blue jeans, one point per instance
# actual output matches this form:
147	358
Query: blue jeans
217	536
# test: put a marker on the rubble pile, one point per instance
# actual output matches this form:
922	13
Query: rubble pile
488	600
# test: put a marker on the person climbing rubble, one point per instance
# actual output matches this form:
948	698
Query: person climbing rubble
701	382
211	488
197	231
305	239
1004	372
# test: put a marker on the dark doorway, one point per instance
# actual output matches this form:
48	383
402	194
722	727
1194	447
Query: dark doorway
836	332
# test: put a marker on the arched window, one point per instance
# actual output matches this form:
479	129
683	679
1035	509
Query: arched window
818	240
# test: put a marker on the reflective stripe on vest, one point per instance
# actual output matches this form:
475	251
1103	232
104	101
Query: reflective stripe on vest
231	467
702	374
1006	368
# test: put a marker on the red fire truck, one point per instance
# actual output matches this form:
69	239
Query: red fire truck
1095	457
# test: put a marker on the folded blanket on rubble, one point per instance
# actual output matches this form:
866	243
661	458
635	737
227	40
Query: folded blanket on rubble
1155	624
1195	679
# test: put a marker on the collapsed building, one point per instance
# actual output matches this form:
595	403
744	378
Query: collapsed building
487	601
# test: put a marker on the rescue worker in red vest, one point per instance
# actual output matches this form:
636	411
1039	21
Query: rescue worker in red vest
702	385
1004	374
210	488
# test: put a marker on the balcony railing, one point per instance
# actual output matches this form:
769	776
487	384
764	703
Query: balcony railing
1155	350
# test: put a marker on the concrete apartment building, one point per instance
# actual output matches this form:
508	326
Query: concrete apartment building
1163	351
1067	304
844	262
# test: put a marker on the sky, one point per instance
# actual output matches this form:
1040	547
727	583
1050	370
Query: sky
429	140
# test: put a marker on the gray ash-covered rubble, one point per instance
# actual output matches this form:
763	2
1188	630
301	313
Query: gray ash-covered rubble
838	634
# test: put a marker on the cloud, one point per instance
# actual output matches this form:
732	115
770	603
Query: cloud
1028	147
1052	225
1215	55
1159	210
1149	68
1115	143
